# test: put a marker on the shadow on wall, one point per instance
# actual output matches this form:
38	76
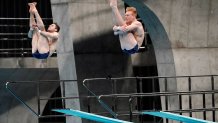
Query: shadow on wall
100	56
104	43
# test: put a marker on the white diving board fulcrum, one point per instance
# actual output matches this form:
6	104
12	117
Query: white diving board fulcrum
176	117
89	116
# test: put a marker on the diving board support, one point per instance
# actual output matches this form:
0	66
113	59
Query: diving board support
20	99
176	117
89	116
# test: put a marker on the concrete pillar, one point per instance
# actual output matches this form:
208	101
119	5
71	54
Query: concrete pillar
62	14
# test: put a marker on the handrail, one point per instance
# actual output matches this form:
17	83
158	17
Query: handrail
182	110
14	49
13	33
42	81
30	82
104	105
3	18
151	94
74	97
14	39
13	25
150	77
17	52
130	95
159	94
20	100
20	53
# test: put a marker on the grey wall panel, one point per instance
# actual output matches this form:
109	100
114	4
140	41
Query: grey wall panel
11	109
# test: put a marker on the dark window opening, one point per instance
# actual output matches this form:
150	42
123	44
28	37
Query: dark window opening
53	104
14	26
147	86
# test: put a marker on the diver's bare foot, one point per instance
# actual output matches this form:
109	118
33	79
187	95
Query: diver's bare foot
32	7
34	10
32	4
113	3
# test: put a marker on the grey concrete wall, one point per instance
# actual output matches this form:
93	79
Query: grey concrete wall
29	62
191	26
86	31
13	111
192	29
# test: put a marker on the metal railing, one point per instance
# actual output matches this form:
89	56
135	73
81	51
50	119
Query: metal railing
166	93
13	37
135	98
38	97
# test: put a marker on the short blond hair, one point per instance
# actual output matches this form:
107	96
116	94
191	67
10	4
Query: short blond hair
133	10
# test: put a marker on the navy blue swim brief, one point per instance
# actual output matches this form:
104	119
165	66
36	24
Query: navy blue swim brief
131	51
40	55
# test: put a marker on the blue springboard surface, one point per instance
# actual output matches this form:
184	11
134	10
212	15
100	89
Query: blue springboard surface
177	117
103	119
89	116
